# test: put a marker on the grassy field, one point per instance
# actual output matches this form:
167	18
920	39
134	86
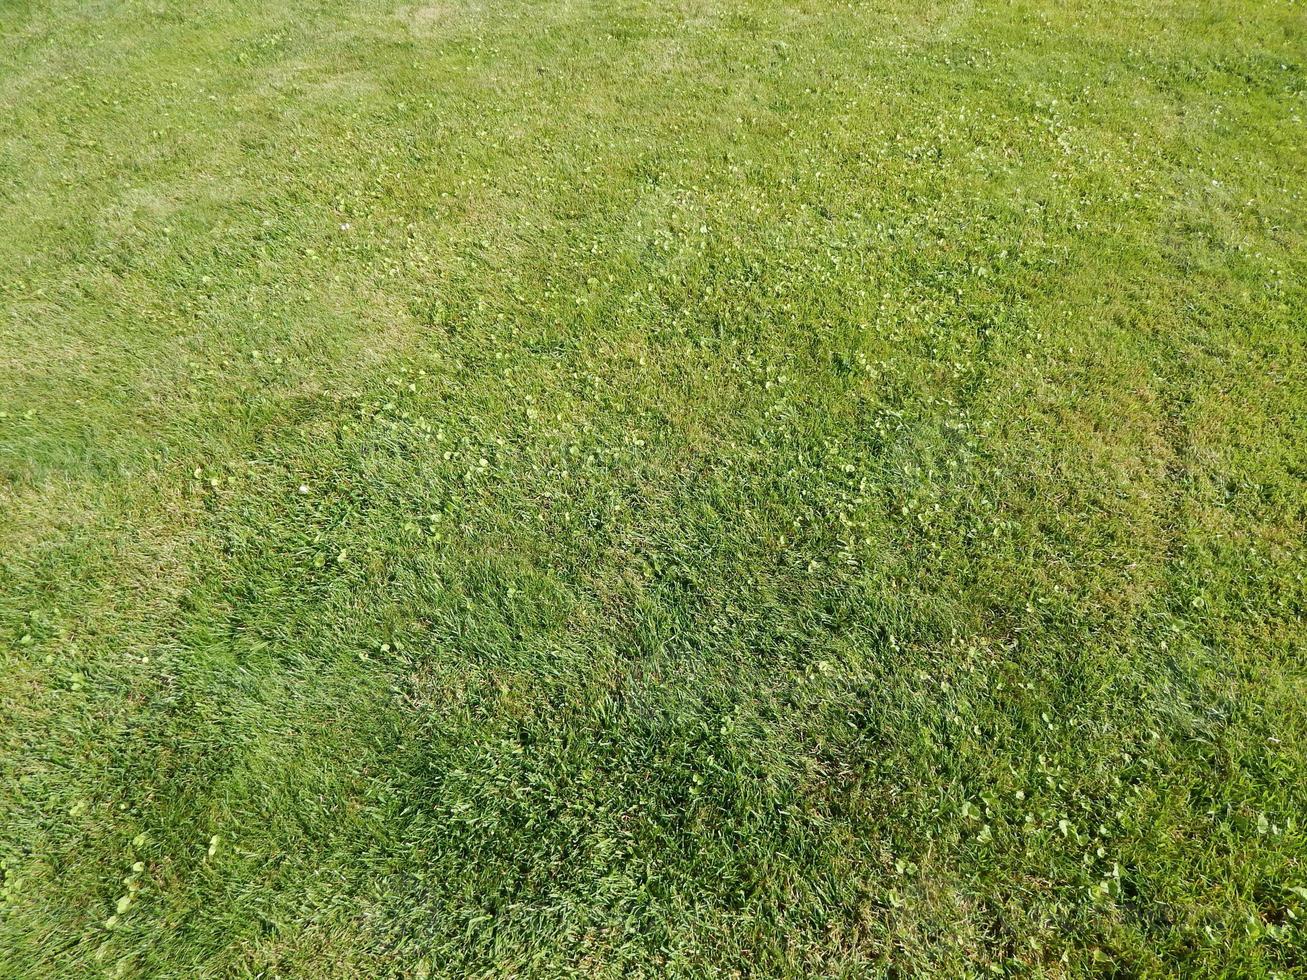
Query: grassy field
676	489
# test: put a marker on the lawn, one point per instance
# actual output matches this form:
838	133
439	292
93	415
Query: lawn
659	489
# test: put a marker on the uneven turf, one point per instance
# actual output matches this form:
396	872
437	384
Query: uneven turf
653	488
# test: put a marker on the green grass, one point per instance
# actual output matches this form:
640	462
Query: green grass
656	489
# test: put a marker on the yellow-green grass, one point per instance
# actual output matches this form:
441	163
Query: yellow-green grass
653	489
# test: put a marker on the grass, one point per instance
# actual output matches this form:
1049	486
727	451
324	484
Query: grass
658	489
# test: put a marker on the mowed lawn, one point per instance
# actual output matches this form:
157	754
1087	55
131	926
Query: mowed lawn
670	488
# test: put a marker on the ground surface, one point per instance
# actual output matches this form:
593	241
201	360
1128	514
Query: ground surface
663	488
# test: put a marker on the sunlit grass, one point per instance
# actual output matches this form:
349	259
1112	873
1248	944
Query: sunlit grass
653	489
